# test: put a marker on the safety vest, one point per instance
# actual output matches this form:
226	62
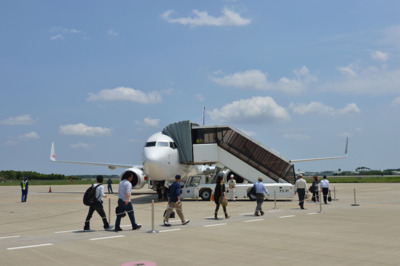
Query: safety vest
24	184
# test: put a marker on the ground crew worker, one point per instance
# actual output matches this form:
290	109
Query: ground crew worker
24	187
232	189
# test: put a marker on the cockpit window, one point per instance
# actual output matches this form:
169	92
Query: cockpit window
150	144
162	144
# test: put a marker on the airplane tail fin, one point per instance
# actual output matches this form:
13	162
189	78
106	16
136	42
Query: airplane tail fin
52	153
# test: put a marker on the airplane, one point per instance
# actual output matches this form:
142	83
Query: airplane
324	158
160	157
160	163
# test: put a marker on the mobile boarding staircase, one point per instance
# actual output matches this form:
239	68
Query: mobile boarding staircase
226	146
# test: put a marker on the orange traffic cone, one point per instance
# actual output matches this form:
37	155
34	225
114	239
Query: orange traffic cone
50	189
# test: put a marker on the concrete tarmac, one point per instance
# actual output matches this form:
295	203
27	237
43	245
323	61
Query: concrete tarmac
47	230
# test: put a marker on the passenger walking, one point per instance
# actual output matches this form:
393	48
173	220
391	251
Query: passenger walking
24	189
260	190
219	196
232	188
174	202
300	189
315	189
98	206
325	188
124	202
109	183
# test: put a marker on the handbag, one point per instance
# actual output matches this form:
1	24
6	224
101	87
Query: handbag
329	196
222	200
311	189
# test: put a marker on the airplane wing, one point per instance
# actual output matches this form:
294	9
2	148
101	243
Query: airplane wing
324	158
109	165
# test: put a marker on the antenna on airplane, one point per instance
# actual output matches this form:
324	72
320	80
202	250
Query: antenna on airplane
203	115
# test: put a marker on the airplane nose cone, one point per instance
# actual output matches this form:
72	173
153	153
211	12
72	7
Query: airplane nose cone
154	164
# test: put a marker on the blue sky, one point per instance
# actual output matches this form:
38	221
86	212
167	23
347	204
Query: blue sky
99	77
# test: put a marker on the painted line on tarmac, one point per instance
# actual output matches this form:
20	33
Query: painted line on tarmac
275	211
4	237
169	230
70	231
288	216
249	213
32	246
312	213
211	225
255	220
107	237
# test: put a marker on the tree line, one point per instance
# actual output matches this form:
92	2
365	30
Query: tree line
18	175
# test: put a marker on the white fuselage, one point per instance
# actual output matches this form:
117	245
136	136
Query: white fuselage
161	160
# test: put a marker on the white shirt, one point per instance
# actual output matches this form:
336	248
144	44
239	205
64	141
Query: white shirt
301	183
99	191
324	183
124	187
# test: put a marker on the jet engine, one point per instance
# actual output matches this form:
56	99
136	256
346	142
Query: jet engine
138	180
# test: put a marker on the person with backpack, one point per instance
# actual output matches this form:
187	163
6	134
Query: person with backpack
124	202
94	196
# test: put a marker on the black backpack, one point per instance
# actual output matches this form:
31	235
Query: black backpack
89	198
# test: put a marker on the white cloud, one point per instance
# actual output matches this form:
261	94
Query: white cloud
373	81
379	56
257	80
348	71
345	134
81	145
60	33
152	122
392	36
112	32
84	130
249	79
296	136
200	97
10	142
201	18
22	120
321	109
396	101
15	140
29	136
57	37
255	109
126	94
